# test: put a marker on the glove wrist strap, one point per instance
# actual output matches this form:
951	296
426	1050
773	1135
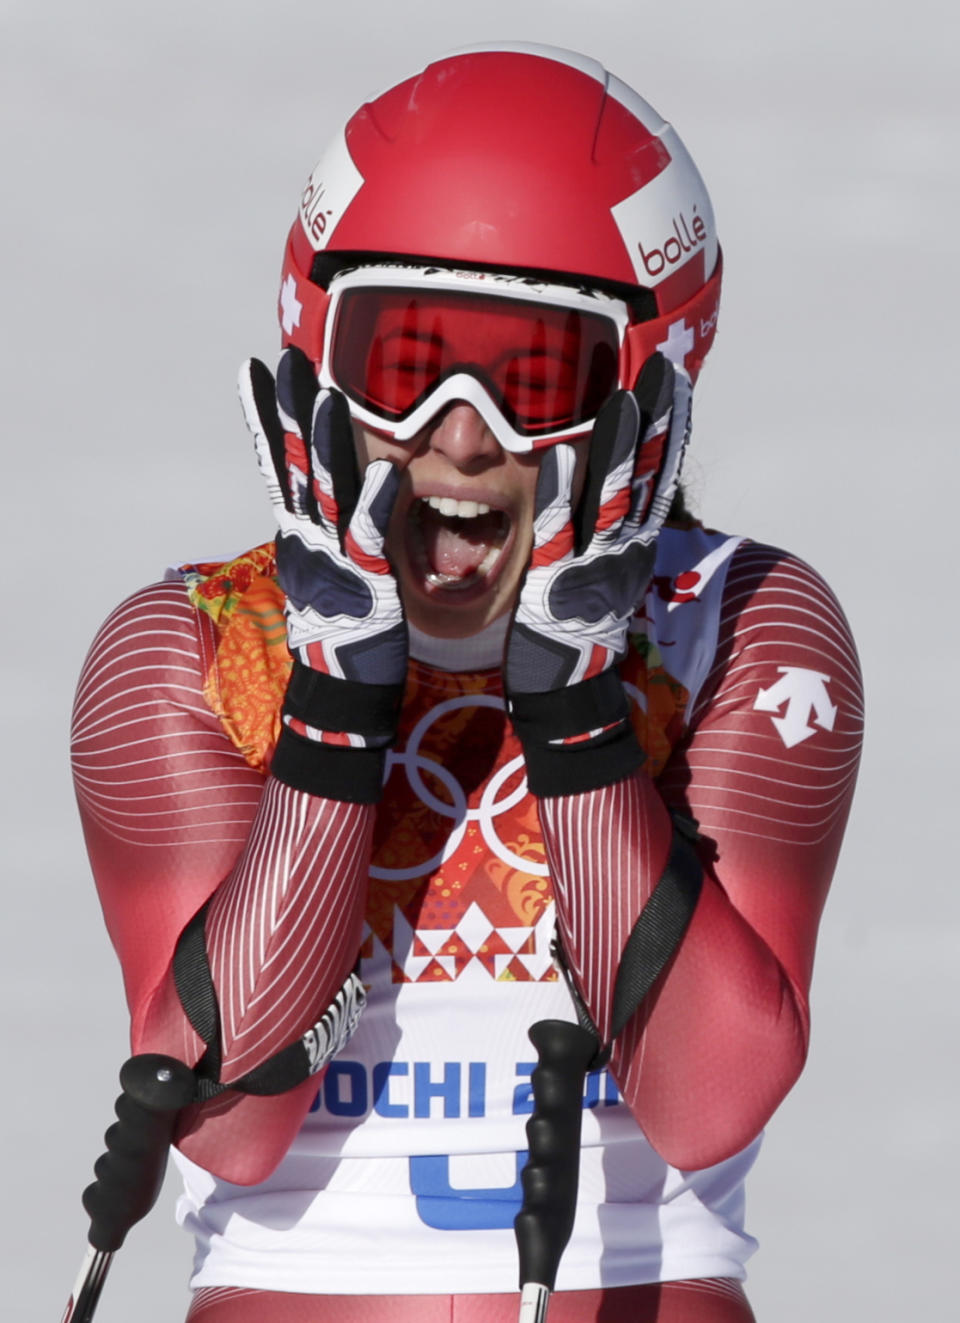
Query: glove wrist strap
574	769
329	771
559	713
329	703
577	738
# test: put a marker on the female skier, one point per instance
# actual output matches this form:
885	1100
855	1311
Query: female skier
368	801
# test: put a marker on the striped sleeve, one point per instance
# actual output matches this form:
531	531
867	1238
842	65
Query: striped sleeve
768	769
770	766
174	818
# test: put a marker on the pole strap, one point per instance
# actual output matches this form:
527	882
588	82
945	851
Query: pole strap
287	1068
653	939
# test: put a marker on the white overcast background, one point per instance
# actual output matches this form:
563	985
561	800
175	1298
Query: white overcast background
152	158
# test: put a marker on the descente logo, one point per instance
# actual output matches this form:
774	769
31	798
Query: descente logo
686	236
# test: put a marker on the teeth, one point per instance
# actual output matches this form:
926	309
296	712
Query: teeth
447	505
488	561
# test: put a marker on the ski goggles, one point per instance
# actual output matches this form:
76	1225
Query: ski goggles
537	361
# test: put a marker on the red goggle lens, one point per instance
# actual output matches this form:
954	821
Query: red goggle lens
546	367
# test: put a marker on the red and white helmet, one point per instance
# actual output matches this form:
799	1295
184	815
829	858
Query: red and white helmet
518	158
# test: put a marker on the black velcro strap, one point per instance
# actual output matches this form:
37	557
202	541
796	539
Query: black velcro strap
285	1069
329	771
559	713
281	1072
659	928
309	1054
193	980
198	997
654	938
329	703
573	769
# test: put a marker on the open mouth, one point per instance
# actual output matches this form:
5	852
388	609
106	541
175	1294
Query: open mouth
457	544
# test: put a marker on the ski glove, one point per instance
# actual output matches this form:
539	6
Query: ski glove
345	623
589	571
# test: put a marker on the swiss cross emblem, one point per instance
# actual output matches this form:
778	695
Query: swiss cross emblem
679	342
290	306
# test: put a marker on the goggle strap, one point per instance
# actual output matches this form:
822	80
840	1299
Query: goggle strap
694	321
302	309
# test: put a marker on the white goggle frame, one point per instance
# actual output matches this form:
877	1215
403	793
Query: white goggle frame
464	386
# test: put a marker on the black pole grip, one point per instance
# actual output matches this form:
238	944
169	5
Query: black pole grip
551	1176
130	1173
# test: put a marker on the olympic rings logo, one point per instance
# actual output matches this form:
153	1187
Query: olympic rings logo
415	763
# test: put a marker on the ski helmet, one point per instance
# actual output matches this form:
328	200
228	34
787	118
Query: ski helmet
515	158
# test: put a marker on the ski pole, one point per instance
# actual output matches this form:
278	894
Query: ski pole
130	1173
567	1051
551	1176
87	1288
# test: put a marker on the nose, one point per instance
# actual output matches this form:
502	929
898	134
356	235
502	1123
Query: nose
462	437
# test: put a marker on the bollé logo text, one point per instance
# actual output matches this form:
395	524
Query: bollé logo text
686	236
